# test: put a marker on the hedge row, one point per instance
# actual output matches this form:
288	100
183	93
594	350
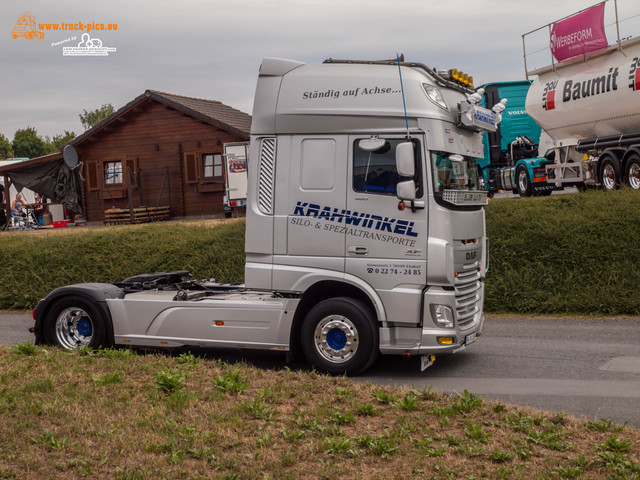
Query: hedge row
34	263
566	254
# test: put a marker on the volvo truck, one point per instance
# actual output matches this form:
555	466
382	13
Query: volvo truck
511	160
365	229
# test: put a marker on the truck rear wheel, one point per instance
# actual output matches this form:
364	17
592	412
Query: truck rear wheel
523	184
632	172
73	322
610	173
339	336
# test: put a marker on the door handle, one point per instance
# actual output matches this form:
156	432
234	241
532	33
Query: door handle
354	250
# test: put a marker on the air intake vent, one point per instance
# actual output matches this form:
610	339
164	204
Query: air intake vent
266	180
468	301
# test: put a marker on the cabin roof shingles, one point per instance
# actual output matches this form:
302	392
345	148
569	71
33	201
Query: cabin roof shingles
214	111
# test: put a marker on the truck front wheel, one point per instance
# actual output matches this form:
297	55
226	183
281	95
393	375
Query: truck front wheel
632	173
339	336
523	183
73	322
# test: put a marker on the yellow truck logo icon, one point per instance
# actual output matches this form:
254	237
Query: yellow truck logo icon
26	27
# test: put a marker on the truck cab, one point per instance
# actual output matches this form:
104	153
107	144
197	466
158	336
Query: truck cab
326	220
512	158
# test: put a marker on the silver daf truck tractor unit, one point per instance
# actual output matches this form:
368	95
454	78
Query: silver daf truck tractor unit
365	229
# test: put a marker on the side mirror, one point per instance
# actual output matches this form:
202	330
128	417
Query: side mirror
406	190
405	160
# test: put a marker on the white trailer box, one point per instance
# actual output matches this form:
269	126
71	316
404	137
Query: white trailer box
235	169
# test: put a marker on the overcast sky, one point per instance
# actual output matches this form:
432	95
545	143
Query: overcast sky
213	49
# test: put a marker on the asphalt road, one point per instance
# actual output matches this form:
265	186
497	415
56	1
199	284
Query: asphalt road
587	367
14	328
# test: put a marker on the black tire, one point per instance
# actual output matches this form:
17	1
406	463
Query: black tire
523	183
339	336
73	322
610	173
632	171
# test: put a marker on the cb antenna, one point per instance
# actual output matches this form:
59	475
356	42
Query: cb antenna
406	120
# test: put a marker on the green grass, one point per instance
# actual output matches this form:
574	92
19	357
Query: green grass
77	415
567	254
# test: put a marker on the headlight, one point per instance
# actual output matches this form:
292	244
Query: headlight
434	95
443	315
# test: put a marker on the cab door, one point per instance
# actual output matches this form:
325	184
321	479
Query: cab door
306	233
386	246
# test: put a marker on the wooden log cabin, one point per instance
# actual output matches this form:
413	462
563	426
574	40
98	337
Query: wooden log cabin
159	150
161	155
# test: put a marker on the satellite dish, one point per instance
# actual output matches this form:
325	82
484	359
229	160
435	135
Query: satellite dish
70	156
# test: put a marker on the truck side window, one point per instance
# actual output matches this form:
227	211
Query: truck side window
375	171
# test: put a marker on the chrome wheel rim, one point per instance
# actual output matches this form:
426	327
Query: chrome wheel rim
634	176
523	181
608	177
336	339
74	328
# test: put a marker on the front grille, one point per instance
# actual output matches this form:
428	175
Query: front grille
468	298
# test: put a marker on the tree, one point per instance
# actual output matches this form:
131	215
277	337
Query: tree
59	141
6	150
92	118
27	143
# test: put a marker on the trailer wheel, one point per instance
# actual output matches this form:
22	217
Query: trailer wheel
73	322
339	337
632	172
610	173
523	183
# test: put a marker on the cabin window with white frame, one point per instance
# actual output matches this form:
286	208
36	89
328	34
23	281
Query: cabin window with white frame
211	166
113	173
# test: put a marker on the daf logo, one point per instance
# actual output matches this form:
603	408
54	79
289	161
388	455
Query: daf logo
472	255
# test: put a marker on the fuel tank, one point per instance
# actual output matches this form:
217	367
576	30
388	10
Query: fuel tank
585	98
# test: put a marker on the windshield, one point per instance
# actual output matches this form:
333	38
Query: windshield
456	182
454	172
